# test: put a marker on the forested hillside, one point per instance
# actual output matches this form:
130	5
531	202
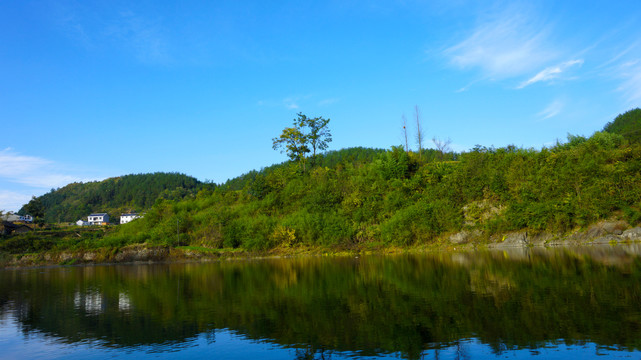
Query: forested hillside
627	124
398	197
361	198
114	195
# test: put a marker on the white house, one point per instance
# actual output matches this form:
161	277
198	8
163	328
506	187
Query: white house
98	219
11	217
125	218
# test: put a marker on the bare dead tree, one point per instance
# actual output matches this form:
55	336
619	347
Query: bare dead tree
442	146
404	120
419	133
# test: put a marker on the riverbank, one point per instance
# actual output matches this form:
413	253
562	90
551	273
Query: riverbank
603	233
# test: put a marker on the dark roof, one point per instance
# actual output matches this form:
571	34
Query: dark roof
99	214
9	227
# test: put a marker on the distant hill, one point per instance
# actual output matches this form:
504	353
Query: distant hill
114	195
627	124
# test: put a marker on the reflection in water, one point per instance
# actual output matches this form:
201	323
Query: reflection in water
459	304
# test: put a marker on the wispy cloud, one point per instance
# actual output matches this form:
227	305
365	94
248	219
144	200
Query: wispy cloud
509	45
32	171
551	73
13	165
630	71
552	110
620	54
142	35
291	102
327	102
12	201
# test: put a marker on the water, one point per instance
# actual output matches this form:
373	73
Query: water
531	303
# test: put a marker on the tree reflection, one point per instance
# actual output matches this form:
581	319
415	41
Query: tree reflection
411	305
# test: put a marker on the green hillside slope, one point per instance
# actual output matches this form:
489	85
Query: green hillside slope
397	199
627	124
114	195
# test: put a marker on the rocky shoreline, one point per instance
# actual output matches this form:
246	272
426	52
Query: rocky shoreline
603	233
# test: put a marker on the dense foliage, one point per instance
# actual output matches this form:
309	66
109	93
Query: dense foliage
114	195
361	197
393	198
627	124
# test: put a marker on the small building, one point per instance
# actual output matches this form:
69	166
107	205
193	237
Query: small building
17	218
82	223
98	219
125	218
7	228
11	217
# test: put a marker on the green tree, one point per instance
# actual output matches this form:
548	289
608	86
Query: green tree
36	209
317	134
307	135
293	142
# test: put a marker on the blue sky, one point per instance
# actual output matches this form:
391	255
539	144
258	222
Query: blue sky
96	89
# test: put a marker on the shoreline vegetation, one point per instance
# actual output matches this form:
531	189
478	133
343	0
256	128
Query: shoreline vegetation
360	200
603	234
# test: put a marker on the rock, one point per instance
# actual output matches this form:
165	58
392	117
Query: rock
633	234
604	228
65	256
612	227
595	231
518	239
541	239
465	236
141	254
607	239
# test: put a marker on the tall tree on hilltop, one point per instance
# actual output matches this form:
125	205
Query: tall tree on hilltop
294	143
317	134
307	135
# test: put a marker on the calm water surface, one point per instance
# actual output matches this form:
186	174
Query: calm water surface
532	303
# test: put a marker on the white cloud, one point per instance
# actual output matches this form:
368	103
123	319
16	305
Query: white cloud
12	201
507	46
33	171
631	86
550	73
620	55
143	36
13	165
326	102
552	110
291	103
